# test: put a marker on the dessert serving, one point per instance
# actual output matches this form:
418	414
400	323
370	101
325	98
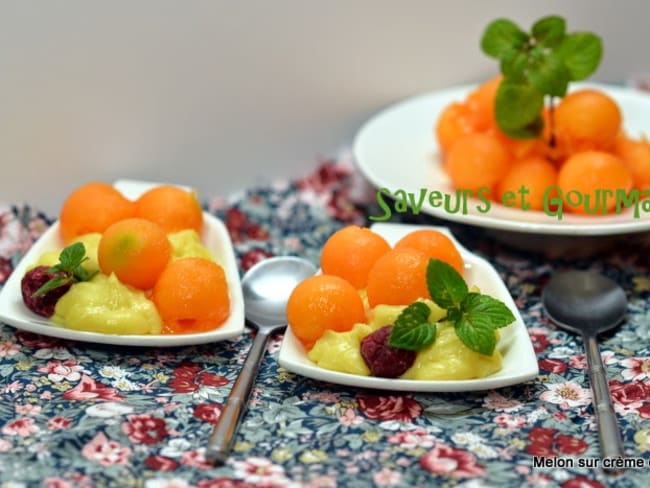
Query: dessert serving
521	140
534	149
398	312
150	268
130	267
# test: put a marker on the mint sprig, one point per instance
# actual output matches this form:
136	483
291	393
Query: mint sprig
68	269
475	316
535	65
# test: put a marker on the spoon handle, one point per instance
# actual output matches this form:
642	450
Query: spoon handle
220	441
609	431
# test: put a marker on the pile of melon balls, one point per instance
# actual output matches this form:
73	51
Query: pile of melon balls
361	270
590	151
133	240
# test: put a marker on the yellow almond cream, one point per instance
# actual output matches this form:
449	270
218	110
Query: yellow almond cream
341	351
187	244
106	306
446	359
449	359
91	244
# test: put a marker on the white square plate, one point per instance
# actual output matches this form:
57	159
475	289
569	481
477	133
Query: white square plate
519	359
215	237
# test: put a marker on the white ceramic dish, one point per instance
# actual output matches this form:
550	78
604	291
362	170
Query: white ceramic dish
396	149
519	359
216	239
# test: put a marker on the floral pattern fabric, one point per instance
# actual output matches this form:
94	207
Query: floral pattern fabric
85	415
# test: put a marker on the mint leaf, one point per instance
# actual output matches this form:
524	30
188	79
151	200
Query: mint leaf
549	31
478	338
414	314
411	330
514	66
581	53
549	75
481	314
517	105
412	338
501	37
51	285
71	257
530	131
446	286
486	310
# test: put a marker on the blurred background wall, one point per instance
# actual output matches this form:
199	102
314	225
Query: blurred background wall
219	94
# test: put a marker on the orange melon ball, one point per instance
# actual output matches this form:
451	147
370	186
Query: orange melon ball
136	250
476	161
350	253
92	207
587	119
535	174
192	296
455	121
481	103
519	148
171	207
320	303
398	278
589	171
435	245
636	156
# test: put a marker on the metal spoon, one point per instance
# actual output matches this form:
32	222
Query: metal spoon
266	287
588	303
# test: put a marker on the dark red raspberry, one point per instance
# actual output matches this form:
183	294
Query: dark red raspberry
44	304
384	360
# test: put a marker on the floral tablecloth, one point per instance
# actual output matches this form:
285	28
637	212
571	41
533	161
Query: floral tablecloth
78	414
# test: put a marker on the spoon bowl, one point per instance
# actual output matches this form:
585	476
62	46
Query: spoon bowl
266	288
584	302
587	303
